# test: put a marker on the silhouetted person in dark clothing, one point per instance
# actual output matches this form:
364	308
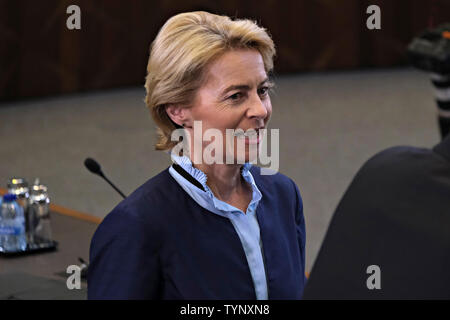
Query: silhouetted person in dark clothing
395	216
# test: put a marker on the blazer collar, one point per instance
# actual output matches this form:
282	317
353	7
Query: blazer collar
443	148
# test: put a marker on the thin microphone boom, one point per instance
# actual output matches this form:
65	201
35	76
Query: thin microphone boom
115	188
94	167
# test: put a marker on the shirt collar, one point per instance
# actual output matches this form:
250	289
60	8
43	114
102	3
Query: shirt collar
185	163
197	174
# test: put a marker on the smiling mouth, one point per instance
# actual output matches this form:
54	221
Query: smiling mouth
252	136
251	133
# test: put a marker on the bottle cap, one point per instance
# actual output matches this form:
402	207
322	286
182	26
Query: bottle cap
39	194
17	183
9	197
19	187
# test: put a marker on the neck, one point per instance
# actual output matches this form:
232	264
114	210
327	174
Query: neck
224	180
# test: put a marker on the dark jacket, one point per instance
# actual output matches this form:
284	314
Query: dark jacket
395	215
160	244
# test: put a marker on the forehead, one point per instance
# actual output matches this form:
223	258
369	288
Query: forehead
235	67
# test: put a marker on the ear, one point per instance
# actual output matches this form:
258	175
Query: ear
179	114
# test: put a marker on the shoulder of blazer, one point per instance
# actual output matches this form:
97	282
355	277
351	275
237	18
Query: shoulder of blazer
145	203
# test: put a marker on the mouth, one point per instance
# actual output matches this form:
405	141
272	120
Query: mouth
251	135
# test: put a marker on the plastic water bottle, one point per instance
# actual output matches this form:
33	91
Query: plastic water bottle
12	225
19	187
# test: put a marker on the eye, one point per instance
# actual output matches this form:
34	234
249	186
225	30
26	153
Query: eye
263	91
235	97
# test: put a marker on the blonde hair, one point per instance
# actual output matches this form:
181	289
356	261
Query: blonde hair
183	47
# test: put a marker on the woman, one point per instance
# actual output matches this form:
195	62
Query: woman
205	229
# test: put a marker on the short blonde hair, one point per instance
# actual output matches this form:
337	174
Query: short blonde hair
183	47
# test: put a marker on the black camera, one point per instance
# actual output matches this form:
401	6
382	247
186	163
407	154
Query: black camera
430	51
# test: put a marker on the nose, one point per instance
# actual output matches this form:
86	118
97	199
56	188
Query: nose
257	108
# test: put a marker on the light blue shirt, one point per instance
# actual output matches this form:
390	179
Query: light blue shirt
246	225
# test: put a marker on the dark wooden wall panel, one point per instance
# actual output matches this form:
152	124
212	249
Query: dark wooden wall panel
40	56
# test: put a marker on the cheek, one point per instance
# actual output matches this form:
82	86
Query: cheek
222	122
209	119
269	109
227	119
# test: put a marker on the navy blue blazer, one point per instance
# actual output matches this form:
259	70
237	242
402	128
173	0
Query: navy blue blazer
159	243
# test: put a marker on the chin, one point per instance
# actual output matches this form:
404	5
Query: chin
246	156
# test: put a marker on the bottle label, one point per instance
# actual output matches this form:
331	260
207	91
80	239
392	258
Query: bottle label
10	230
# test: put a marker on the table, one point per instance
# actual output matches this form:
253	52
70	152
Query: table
43	275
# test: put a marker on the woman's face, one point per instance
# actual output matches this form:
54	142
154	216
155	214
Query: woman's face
234	95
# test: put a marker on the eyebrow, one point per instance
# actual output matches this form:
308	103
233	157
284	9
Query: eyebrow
242	86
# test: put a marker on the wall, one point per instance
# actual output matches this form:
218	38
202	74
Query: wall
40	56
